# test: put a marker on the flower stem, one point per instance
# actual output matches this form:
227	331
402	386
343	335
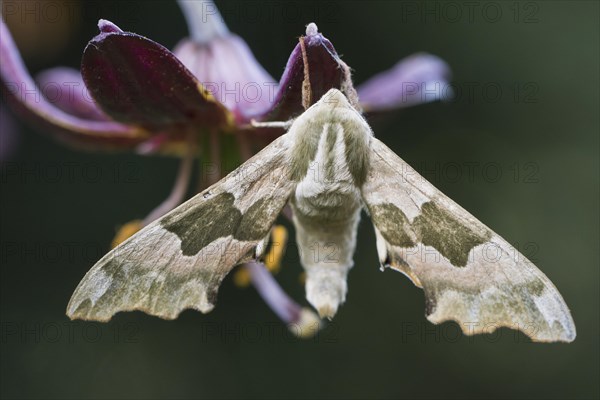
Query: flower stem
243	146
214	173
272	293
179	189
303	322
203	19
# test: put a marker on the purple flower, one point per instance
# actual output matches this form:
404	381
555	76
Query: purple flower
419	78
223	62
134	94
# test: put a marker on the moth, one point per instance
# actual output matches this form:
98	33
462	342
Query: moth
328	167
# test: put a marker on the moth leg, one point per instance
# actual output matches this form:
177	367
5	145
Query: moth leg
269	251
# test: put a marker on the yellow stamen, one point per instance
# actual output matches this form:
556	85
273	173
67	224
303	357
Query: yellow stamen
126	231
241	278
279	236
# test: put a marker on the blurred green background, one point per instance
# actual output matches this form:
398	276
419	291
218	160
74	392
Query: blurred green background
541	134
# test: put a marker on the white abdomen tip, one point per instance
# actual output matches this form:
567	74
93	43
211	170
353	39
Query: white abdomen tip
326	288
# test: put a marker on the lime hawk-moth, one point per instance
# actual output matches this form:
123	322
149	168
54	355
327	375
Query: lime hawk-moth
327	167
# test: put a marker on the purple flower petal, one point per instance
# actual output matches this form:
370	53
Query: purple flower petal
419	78
136	80
313	68
222	61
21	92
204	20
229	70
64	88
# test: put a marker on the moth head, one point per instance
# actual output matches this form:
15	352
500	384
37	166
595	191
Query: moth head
334	98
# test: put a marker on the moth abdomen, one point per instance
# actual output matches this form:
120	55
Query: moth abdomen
326	247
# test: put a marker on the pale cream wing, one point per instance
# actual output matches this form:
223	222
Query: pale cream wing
469	274
178	261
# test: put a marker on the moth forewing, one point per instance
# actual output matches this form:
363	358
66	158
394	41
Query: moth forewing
469	273
179	261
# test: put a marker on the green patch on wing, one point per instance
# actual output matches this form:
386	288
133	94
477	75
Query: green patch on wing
120	285
256	221
393	224
329	152
492	306
203	223
452	238
357	152
435	227
304	150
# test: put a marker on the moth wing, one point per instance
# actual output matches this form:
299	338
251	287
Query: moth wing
178	261
469	273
